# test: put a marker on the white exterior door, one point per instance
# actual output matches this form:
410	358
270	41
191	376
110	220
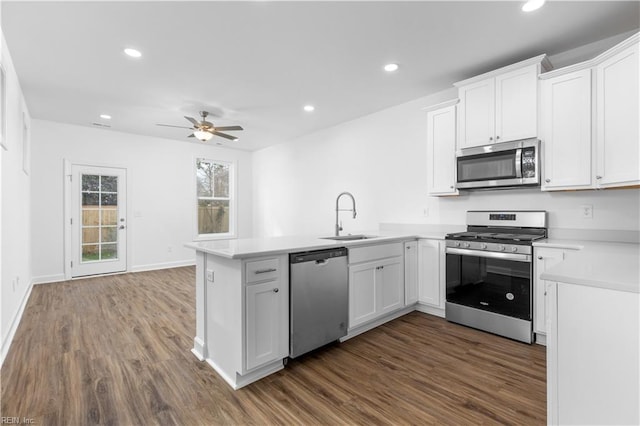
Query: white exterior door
98	220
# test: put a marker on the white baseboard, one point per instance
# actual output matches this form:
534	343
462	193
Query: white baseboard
8	339
377	322
439	312
46	279
165	265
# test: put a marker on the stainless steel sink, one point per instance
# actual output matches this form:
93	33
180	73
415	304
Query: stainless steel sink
350	237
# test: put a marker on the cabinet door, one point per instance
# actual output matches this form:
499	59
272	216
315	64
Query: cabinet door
594	356
430	273
566	131
476	114
441	150
617	115
390	285
516	104
362	293
410	272
545	258
264	335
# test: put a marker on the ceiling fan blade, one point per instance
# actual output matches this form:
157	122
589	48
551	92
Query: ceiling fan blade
192	120
171	125
228	128
224	135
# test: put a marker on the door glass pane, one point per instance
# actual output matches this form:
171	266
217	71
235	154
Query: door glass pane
109	251
90	217
99	218
109	234
90	235
90	182
213	216
90	252
109	184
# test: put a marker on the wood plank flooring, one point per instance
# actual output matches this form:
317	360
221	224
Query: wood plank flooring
116	350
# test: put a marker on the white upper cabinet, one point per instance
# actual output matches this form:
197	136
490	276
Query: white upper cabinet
566	131
500	106
617	135
590	122
441	148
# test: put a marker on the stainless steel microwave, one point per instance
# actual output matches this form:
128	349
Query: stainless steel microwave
506	164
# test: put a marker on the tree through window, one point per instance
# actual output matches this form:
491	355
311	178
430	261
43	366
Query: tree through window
214	196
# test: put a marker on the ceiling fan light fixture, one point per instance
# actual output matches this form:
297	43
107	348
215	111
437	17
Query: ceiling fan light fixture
202	135
309	108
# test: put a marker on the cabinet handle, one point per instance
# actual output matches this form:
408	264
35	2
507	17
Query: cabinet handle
598	177
547	180
539	257
451	187
275	290
265	271
408	247
490	138
497	137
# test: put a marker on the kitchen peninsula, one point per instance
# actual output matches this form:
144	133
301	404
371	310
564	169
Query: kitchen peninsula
242	300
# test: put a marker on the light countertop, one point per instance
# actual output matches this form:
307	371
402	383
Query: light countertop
252	247
614	266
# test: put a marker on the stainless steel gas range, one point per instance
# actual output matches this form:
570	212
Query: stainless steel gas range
489	272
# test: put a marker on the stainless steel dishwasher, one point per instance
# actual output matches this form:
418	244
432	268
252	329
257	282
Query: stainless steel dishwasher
319	299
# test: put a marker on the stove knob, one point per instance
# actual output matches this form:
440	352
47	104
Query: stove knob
501	248
466	245
483	246
457	243
514	249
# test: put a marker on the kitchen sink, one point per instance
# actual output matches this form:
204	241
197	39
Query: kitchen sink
350	237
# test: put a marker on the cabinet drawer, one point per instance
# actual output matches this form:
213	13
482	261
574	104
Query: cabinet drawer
262	270
369	253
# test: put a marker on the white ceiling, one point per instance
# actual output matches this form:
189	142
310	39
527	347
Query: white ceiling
257	63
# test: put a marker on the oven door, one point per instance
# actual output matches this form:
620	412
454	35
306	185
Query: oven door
493	282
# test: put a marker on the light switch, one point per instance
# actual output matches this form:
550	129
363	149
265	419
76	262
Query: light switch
210	275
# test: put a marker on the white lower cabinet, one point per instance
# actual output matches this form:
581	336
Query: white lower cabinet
410	272
593	357
376	282
545	258
431	275
264	338
243	325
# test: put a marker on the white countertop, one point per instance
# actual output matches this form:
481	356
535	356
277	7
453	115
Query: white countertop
614	266
252	247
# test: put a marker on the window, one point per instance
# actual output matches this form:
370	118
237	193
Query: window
215	206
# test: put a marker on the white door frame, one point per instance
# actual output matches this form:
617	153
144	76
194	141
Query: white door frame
68	212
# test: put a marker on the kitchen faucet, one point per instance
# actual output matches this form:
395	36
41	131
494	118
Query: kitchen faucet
338	209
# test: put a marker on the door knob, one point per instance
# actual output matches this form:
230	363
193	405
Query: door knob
275	290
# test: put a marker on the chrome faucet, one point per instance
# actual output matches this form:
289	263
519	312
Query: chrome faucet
338	209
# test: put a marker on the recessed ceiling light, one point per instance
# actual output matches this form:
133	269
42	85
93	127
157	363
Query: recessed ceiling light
105	116
391	67
532	5
309	108
134	53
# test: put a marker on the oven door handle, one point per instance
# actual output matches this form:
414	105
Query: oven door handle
490	254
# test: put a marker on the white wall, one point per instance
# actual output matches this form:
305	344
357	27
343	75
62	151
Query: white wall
15	262
381	159
161	192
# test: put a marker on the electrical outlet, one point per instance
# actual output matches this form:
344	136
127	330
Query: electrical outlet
209	275
586	211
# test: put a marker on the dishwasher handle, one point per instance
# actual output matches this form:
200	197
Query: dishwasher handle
322	262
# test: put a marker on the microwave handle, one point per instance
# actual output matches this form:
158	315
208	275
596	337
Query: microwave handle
518	161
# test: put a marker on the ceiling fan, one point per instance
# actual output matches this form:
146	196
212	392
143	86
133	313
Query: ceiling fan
205	130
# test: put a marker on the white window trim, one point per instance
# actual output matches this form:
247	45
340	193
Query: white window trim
233	202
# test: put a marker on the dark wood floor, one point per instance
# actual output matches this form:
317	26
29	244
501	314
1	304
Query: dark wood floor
116	350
